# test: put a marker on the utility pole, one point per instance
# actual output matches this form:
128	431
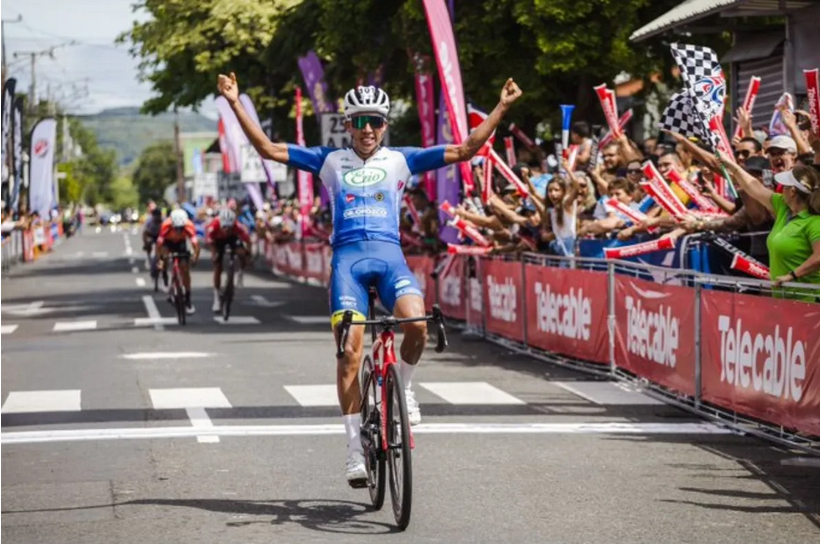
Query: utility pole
32	99
3	32
178	155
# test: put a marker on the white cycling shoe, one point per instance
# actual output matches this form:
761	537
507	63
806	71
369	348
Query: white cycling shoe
355	470
190	309
216	307
413	410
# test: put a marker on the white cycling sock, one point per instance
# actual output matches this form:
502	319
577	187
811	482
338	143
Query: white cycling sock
353	424
407	370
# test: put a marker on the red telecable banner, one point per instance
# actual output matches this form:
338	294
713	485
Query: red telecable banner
655	332
422	267
566	313
503	298
761	357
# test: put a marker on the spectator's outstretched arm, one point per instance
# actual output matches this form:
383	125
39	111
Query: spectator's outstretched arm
505	213
629	152
735	222
720	201
605	225
481	221
697	152
476	139
751	185
790	122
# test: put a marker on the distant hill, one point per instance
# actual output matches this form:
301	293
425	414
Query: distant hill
128	131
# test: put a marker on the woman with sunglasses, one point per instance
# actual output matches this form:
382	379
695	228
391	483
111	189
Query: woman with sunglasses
365	183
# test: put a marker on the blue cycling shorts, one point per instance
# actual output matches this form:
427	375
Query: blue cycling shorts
359	265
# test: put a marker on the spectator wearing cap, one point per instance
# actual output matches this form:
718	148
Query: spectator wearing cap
782	151
794	241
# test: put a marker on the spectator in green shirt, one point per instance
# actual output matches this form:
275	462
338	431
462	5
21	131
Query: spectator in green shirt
794	241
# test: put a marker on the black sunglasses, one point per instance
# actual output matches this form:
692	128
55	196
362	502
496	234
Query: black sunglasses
360	122
743	154
634	171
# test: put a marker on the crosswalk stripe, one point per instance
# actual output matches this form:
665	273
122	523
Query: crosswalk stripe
8	328
39	401
472	393
607	393
208	397
75	326
237	320
314	395
323	319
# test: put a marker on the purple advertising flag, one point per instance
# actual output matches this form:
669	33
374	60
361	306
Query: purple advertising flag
314	76
448	180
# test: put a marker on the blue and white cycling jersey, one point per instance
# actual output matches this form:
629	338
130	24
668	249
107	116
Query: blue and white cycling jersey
365	195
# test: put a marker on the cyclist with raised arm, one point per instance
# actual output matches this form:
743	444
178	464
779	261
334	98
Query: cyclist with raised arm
365	183
223	232
176	230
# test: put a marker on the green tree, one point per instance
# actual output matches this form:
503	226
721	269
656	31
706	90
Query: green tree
156	170
556	50
123	192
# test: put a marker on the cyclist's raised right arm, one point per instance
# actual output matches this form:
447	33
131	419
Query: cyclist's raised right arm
267	149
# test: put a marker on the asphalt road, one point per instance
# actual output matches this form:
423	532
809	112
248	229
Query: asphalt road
119	426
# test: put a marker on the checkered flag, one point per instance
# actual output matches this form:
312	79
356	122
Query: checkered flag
680	116
706	86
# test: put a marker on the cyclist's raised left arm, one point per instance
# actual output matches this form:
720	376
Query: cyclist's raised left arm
475	140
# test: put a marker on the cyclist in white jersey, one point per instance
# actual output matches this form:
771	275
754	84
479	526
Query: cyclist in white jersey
365	183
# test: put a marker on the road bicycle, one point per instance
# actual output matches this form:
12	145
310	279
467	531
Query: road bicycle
178	286
387	439
226	296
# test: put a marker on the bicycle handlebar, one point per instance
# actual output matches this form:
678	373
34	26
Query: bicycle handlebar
389	323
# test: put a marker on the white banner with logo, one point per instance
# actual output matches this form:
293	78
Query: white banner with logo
41	184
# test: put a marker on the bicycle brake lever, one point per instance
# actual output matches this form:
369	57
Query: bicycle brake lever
441	334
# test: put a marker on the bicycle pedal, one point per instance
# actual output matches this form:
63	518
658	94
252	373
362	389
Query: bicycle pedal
359	483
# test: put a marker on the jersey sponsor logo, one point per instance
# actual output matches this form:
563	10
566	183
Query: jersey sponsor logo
401	184
379	196
349	198
402	283
365	176
357	212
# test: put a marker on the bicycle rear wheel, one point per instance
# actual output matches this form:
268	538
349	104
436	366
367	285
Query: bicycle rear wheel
179	300
227	293
371	437
399	462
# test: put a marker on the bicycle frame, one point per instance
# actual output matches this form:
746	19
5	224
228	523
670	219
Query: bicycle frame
384	355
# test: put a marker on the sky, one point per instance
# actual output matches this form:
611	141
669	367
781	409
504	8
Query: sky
107	70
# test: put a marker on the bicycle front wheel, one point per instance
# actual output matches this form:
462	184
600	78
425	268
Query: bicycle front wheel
371	439
227	294
179	301
399	462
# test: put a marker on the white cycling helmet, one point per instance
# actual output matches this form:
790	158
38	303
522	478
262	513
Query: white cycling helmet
226	217
178	218
366	100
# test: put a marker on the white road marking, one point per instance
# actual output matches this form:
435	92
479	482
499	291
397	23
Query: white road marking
158	356
153	313
607	393
324	319
262	301
471	393
314	395
99	229
135	269
75	326
40	436
140	281
99	254
39	401
236	320
194	401
801	461
170	321
25	309
8	328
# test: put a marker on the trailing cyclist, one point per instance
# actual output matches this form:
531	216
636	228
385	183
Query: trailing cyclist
225	232
176	230
366	182
150	232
